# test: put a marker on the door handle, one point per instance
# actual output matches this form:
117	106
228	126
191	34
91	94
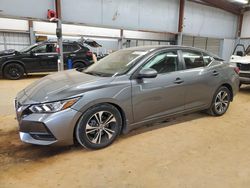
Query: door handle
51	56
178	81
215	73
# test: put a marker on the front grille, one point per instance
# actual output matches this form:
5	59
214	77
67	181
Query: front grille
245	75
243	67
21	110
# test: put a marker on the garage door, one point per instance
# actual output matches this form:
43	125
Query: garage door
209	44
200	42
188	41
213	45
15	41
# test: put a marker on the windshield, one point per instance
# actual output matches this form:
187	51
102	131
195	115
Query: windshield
27	48
116	63
248	51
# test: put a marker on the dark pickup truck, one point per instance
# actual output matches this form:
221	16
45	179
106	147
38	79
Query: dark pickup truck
42	57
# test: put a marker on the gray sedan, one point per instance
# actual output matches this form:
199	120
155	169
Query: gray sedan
125	90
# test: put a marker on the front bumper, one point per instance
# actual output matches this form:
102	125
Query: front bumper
244	77
46	129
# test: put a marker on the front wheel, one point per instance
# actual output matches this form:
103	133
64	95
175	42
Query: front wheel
98	127
221	101
13	71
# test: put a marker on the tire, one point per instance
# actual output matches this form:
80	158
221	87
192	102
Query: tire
92	132
13	71
221	102
79	65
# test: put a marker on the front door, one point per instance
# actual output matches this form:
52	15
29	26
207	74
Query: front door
46	53
160	96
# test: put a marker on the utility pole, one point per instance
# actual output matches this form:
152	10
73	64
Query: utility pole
59	47
181	21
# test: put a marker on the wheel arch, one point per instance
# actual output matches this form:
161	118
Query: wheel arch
80	61
13	61
229	87
117	106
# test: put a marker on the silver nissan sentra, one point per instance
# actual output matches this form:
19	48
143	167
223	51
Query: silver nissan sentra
127	89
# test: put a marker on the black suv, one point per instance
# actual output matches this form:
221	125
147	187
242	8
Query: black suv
42	57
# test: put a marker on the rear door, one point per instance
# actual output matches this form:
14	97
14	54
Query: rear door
160	96
201	80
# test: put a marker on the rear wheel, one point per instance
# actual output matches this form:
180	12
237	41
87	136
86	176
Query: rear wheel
79	65
98	127
13	71
221	101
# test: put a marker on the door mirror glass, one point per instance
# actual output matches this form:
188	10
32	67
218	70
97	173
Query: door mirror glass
239	53
147	73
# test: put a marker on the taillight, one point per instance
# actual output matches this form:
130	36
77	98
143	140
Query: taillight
89	53
237	70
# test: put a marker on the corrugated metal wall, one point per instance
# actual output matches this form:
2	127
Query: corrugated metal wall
15	41
210	22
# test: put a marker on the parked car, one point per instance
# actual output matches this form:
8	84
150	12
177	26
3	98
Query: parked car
241	59
42	57
126	89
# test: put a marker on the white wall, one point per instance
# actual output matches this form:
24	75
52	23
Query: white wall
154	15
245	33
207	21
227	48
69	29
13	24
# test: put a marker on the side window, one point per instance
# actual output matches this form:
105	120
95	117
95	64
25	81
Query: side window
46	48
40	49
207	59
70	47
75	47
193	59
164	62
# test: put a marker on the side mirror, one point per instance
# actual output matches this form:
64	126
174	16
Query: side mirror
147	73
239	53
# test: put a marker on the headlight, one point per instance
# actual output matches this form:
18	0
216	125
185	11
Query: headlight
53	106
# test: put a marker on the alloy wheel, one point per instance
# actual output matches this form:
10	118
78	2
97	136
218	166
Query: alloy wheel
100	127
221	101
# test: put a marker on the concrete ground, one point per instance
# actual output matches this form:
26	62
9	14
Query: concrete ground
191	151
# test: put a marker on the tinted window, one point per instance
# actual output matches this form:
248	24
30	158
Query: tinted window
207	59
164	62
193	59
116	63
70	47
45	48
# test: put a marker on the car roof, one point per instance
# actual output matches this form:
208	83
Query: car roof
178	47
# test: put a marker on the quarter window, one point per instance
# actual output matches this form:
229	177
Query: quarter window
164	62
193	59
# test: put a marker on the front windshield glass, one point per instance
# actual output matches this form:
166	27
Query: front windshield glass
248	51
116	63
27	48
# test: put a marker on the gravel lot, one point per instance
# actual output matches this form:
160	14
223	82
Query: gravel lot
196	150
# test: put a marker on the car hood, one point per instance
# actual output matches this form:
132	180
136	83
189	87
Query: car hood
7	52
61	85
